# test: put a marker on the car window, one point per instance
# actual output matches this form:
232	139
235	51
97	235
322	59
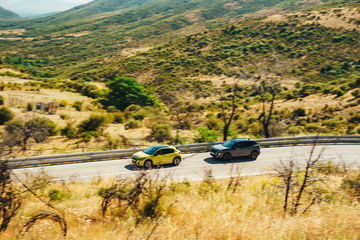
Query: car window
240	145
168	151
252	143
165	151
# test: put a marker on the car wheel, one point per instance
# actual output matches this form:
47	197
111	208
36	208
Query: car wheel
148	164
227	156
254	155
176	161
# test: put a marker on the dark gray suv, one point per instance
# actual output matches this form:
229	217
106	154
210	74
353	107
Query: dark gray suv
236	148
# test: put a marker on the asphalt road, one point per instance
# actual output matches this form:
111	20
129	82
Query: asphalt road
193	165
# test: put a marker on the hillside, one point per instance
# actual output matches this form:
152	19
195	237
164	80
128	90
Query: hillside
6	14
66	41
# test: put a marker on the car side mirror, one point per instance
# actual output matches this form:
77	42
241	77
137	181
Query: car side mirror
155	154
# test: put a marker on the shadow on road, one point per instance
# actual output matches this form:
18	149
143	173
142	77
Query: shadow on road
131	167
212	160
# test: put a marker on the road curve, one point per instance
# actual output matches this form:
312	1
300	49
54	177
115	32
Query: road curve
193	165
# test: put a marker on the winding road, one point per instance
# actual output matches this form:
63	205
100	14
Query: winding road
193	165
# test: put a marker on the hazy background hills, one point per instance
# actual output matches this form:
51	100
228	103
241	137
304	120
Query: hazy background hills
5	14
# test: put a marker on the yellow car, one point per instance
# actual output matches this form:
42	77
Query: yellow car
157	155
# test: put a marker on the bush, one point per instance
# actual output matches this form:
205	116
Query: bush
294	130
94	123
206	135
1	100
132	124
29	107
69	131
161	132
118	117
87	136
313	127
351	185
78	105
64	103
5	115
213	123
57	195
299	112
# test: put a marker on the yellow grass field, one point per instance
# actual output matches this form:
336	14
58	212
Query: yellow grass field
212	209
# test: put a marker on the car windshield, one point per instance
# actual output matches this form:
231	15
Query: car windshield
152	150
229	144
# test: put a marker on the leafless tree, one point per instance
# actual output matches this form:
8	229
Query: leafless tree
10	201
229	104
298	181
268	90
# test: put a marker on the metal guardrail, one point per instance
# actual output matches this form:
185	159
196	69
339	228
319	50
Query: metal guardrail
188	148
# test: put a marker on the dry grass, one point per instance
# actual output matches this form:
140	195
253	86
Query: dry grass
337	18
198	212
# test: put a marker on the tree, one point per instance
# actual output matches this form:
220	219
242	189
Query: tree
300	181
10	201
125	91
37	129
5	115
228	105
268	92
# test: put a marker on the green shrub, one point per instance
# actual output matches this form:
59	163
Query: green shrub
1	100
206	135
161	132
93	123
88	136
351	185
5	115
213	123
69	131
29	107
299	112
132	123
294	130
57	195
118	117
78	105
313	127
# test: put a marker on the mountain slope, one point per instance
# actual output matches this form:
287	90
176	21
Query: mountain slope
7	14
92	9
81	48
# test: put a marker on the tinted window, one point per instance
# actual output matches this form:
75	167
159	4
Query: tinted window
165	151
152	150
168	150
241	144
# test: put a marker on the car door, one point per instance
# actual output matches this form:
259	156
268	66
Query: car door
159	156
168	156
238	150
248	148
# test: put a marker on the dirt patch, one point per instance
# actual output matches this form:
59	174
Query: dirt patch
5	79
130	52
15	38
12	31
334	18
232	5
78	34
272	12
194	17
